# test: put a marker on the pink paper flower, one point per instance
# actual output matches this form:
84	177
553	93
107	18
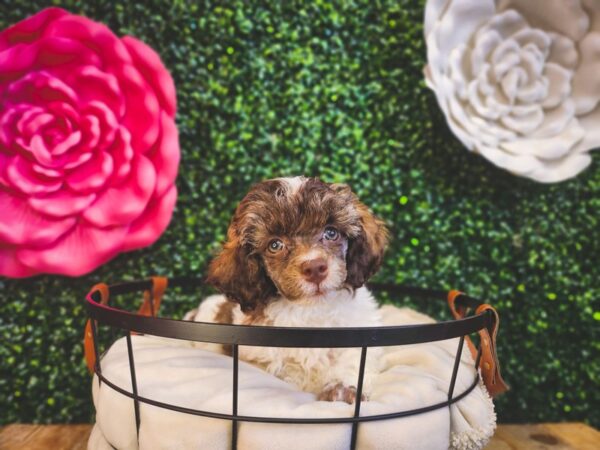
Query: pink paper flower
88	145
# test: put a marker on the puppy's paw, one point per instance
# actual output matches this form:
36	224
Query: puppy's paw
339	392
191	315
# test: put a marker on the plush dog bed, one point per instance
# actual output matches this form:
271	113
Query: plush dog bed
179	373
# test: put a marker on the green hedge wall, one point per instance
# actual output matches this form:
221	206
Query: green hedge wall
333	89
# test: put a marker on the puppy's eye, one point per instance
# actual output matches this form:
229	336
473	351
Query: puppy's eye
276	245
331	234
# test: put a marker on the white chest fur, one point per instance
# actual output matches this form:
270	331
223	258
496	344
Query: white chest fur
311	369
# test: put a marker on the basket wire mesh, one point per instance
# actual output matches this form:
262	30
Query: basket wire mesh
236	335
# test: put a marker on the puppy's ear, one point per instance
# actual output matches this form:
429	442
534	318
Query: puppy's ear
240	275
365	250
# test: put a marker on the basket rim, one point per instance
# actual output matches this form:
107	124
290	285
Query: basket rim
271	336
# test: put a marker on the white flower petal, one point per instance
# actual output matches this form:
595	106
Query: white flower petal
436	67
562	169
459	70
471	129
460	21
460	124
519	164
427	74
533	61
564	17
524	119
504	57
536	37
551	148
555	120
563	52
498	102
559	84
485	137
511	81
505	23
486	87
534	92
434	10
476	102
586	81
591	126
491	132
484	45
592	7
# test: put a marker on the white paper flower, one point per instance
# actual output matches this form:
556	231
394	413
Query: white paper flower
519	80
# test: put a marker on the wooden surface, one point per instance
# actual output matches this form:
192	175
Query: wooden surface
50	437
551	436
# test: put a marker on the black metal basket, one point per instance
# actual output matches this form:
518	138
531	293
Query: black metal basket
236	335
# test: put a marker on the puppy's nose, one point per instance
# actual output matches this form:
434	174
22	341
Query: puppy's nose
314	270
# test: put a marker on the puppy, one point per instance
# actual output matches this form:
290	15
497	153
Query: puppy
298	253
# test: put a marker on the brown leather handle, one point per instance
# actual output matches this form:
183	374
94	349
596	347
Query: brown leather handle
149	307
88	338
152	299
489	363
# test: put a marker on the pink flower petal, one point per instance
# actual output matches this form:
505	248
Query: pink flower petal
57	56
75	160
30	29
23	116
141	109
92	175
35	123
90	126
150	225
49	173
61	204
8	128
94	85
58	147
94	35
151	67
21	225
123	204
39	88
67	144
77	253
21	175
10	266
165	156
122	154
4	162
38	148
59	51
107	123
65	112
14	61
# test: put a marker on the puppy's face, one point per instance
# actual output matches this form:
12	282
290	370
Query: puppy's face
307	265
300	238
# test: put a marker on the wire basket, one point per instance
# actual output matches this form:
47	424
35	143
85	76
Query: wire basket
484	321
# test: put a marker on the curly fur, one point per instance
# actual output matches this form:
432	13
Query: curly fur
270	288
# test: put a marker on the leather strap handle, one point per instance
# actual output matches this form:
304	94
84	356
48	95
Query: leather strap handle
88	338
489	363
153	297
149	307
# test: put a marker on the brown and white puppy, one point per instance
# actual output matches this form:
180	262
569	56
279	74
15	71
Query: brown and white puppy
298	253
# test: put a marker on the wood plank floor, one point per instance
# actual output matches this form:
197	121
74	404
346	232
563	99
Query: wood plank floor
550	436
50	437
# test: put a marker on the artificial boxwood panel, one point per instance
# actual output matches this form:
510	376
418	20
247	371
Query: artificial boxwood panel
333	89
